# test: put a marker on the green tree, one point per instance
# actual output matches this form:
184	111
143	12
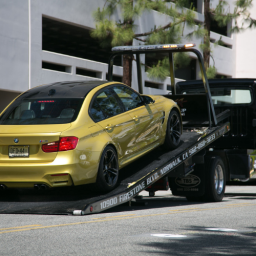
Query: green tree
222	14
113	32
122	32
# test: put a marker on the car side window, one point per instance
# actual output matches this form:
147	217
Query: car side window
95	112
104	105
129	98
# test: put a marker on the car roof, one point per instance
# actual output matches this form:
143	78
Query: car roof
69	89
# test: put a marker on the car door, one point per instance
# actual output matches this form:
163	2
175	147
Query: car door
107	111
146	117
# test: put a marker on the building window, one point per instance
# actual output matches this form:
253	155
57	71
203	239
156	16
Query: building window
219	76
222	30
115	78
89	73
56	67
60	37
153	85
188	72
193	4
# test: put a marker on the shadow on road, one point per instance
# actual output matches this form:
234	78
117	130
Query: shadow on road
154	203
204	242
65	200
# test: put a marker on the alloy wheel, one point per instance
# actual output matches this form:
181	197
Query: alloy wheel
218	179
110	168
175	128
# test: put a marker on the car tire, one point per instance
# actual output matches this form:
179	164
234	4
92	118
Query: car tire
173	130
108	170
215	180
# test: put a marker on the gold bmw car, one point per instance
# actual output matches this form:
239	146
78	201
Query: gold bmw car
74	133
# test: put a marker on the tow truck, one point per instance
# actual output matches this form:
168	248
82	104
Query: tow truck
201	128
236	149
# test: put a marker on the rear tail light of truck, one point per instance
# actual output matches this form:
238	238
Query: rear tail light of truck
64	144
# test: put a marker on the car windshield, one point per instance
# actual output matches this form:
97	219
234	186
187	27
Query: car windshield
41	111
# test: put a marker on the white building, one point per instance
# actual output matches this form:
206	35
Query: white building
48	41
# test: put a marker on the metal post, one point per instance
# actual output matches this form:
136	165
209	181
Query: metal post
110	67
139	76
172	73
206	87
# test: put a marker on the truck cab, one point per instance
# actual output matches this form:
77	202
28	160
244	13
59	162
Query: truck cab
237	148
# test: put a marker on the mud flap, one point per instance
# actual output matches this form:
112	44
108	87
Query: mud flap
192	185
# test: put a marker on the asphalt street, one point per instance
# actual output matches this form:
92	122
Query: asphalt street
162	225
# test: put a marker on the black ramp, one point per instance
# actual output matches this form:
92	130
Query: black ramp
67	200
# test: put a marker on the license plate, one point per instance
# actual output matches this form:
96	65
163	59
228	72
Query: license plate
18	151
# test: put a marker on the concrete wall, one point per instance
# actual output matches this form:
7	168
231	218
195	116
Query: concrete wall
6	97
76	12
14	39
245	51
14	45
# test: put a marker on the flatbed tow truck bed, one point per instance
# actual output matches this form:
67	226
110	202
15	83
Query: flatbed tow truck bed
133	179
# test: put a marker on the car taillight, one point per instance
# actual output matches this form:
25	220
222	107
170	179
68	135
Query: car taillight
50	147
67	143
64	144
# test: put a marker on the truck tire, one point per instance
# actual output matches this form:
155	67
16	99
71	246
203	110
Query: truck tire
173	131
108	170
215	182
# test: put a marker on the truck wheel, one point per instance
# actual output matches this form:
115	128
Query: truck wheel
108	170
173	131
215	180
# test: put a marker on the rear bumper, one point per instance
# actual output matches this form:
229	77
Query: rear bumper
68	168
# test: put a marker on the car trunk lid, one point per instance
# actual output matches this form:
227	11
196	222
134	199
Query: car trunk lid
23	143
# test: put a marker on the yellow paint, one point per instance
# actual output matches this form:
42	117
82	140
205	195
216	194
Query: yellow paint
20	227
178	210
240	204
120	216
125	218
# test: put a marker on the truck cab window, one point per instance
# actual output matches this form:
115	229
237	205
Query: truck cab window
236	96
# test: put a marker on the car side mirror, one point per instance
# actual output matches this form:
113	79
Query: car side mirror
147	99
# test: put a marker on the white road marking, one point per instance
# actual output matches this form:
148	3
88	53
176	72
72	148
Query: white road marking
222	229
169	236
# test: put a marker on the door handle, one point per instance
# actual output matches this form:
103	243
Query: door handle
109	127
136	118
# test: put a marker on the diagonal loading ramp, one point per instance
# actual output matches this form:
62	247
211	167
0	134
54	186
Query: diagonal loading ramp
133	179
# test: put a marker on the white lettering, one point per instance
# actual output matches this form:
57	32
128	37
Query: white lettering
131	193
150	180
211	138
108	203
201	144
192	151
184	156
